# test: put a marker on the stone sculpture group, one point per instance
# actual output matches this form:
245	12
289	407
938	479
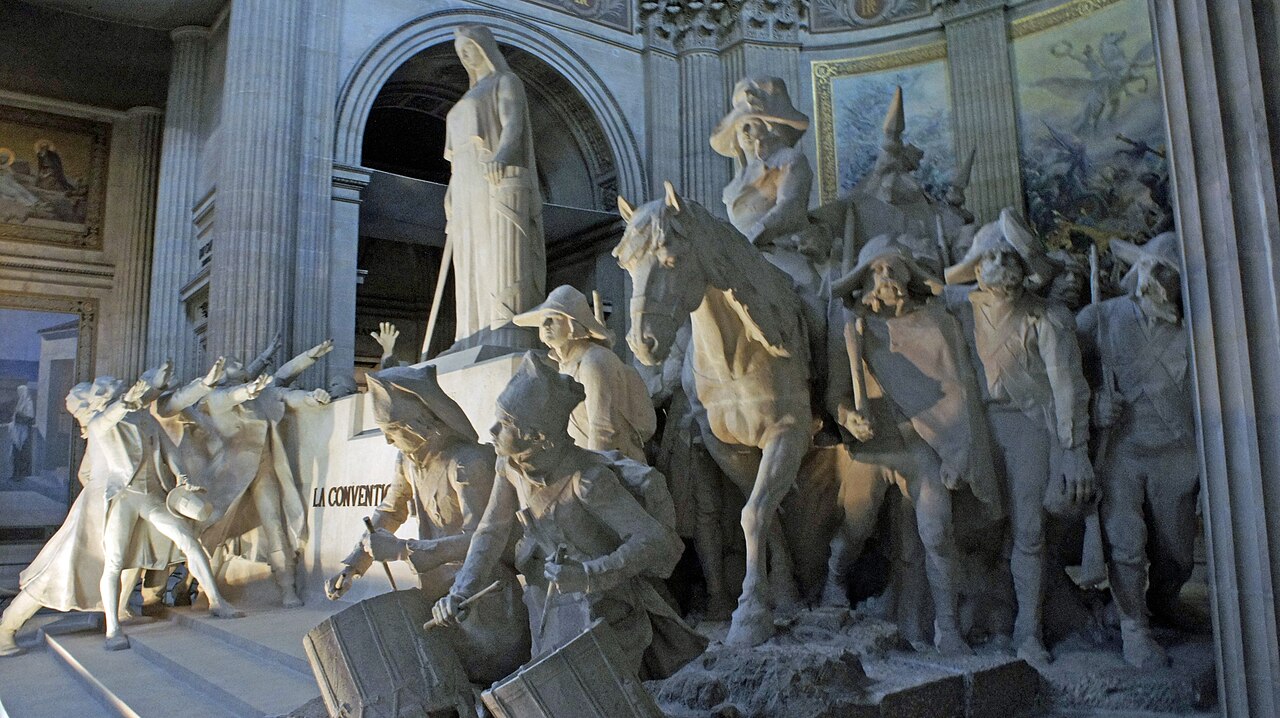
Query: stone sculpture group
968	385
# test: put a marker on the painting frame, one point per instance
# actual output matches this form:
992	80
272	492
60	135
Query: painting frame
96	138
87	309
824	75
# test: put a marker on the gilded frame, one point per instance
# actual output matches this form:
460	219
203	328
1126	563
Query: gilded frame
825	72
90	141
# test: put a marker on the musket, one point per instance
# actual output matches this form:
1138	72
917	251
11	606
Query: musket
368	524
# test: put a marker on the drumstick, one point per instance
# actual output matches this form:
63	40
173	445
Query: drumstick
385	566
434	623
554	587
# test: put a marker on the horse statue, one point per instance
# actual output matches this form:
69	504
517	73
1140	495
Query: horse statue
746	374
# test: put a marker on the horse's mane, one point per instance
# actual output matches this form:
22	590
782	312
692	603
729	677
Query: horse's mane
762	295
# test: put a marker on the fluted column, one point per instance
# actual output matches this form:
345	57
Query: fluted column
315	306
133	192
663	128
255	226
174	258
982	100
1217	63
703	102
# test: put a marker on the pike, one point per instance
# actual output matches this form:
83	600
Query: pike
1093	563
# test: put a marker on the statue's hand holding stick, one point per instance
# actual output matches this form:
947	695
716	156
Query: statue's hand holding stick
385	566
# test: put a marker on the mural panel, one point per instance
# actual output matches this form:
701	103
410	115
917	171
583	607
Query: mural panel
852	97
1091	122
53	178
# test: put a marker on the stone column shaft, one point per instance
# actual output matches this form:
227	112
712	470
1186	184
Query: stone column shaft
703	102
662	122
1216	63
134	192
982	99
174	258
314	306
255	226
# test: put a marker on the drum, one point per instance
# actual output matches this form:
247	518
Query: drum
373	660
581	679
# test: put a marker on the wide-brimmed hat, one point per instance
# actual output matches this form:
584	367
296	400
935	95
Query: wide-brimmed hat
402	394
571	303
1008	230
538	397
882	246
756	98
1162	248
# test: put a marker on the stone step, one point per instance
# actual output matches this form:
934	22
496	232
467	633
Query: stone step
273	634
59	694
126	683
242	681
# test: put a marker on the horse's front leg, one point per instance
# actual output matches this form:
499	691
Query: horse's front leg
784	448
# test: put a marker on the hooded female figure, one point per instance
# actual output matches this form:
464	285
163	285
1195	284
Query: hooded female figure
493	208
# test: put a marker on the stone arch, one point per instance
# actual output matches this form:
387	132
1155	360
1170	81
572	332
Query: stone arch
375	68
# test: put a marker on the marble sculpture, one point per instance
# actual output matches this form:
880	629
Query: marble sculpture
493	207
616	414
590	548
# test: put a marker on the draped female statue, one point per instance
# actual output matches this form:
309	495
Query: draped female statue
493	207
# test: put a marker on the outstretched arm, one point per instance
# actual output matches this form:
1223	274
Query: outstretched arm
490	540
172	403
261	361
223	399
295	366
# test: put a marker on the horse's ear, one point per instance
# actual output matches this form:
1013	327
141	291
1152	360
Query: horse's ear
673	200
625	209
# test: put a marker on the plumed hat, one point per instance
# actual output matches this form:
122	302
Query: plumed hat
539	397
568	301
410	395
881	246
756	98
1162	249
1011	232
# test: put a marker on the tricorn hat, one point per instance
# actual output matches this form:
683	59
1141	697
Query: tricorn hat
568	301
878	247
540	397
1010	231
403	394
756	98
1163	249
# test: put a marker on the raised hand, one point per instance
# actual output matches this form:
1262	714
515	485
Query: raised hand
133	397
257	386
320	349
217	373
386	337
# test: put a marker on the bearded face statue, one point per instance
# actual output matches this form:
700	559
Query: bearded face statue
1001	272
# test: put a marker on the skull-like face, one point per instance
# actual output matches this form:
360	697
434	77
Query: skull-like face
1159	290
1001	271
886	285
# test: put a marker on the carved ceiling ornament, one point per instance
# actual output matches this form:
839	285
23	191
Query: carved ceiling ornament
712	23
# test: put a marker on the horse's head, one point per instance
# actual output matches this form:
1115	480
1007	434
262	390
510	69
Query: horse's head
667	280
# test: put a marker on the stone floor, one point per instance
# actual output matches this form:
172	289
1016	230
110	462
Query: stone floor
823	664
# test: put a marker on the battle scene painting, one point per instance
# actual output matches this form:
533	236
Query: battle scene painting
1091	124
852	99
53	173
